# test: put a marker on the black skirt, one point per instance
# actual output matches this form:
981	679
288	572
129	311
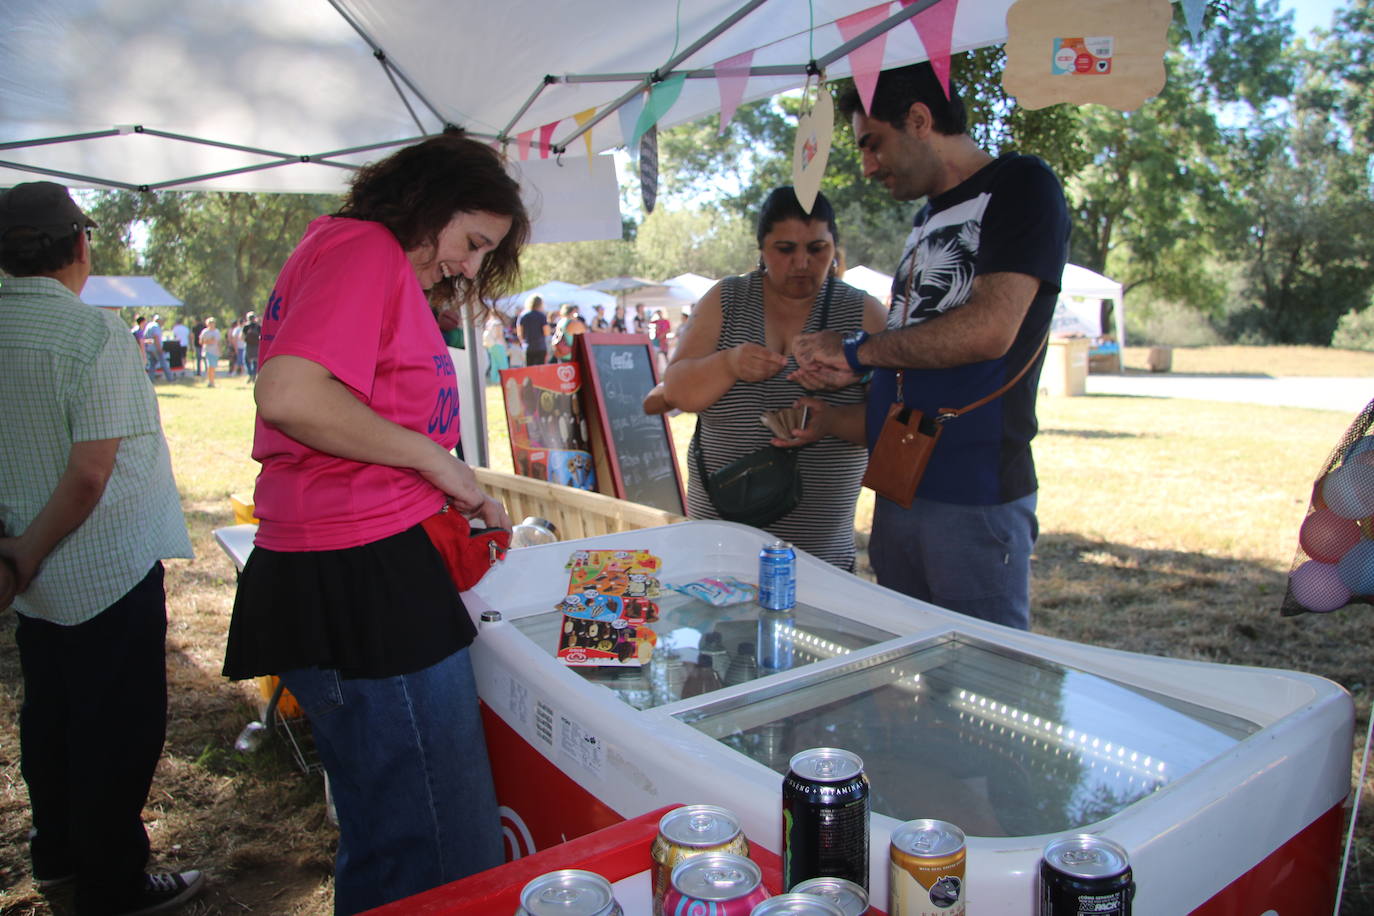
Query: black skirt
380	610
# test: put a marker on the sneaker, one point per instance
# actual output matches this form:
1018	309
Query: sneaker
167	891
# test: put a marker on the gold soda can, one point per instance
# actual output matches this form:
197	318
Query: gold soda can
690	831
926	871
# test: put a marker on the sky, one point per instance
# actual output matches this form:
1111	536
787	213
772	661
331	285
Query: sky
1311	14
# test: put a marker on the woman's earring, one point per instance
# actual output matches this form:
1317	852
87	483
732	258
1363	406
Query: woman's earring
763	268
834	268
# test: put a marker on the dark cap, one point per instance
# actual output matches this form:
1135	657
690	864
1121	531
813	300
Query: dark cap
44	206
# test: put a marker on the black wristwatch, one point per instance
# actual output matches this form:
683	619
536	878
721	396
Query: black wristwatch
852	340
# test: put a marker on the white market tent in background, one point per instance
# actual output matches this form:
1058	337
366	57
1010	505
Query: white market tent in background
127	292
555	293
876	284
1087	300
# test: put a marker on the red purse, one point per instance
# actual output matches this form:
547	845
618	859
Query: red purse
467	552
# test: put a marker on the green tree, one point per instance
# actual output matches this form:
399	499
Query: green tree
711	243
219	252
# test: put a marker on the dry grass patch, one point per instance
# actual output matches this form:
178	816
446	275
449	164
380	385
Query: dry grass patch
1167	527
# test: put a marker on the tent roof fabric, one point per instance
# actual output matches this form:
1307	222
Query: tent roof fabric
1079	281
127	292
288	95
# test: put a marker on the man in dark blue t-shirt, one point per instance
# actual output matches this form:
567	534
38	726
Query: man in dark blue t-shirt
972	302
533	329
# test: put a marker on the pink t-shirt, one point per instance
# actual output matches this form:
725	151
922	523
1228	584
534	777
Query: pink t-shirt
349	300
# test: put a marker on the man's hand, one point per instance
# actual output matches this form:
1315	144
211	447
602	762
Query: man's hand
750	362
22	563
823	378
820	350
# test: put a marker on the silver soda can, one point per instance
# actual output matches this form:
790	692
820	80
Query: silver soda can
778	576
795	904
848	896
569	892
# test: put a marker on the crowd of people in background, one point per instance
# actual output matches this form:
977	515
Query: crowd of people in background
182	353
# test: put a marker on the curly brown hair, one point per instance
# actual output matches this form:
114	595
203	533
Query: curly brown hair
416	191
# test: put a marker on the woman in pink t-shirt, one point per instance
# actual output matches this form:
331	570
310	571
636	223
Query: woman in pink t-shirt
344	595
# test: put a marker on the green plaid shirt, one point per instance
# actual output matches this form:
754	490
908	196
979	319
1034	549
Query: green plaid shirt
70	372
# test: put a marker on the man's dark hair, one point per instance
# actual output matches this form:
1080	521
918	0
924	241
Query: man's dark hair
26	252
417	191
782	204
899	88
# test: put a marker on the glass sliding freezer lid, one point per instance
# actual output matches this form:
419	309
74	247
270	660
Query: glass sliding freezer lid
996	741
751	642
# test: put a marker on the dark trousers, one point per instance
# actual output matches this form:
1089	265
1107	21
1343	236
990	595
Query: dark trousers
535	357
91	731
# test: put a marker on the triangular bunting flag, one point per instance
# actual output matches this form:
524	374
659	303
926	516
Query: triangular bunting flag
935	27
731	76
522	143
866	61
629	117
1192	14
546	137
648	168
661	97
582	117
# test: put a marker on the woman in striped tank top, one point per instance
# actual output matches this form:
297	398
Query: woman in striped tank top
734	358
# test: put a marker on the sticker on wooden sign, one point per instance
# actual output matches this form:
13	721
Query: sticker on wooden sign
811	149
1109	52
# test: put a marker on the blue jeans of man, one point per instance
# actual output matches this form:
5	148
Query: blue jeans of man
970	559
90	733
408	768
157	359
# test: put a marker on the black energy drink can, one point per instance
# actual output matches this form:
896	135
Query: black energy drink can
825	818
1085	874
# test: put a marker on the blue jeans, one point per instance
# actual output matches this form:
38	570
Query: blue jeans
408	768
970	559
157	359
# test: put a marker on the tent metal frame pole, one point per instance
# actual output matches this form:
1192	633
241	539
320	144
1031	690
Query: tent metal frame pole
548	80
658	75
69	138
71	176
382	58
821	63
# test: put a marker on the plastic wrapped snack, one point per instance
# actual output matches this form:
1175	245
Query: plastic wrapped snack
718	592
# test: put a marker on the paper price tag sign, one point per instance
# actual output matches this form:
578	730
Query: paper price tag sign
1083	56
1109	51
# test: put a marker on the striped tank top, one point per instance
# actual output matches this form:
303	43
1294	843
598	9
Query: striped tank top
823	523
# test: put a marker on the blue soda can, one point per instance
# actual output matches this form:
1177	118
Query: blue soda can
778	576
776	632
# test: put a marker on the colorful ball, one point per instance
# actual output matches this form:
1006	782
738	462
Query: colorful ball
1349	490
1356	569
1325	536
1318	587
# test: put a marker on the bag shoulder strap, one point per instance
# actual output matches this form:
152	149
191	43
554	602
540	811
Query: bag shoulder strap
949	413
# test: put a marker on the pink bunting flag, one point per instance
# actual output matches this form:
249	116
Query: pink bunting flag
935	27
546	137
522	143
866	61
731	76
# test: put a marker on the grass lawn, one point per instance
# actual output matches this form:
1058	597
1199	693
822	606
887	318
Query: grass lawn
1167	527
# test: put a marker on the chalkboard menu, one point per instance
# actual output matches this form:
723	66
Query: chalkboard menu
638	448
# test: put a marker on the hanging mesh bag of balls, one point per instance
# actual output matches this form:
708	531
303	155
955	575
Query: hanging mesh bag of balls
1334	565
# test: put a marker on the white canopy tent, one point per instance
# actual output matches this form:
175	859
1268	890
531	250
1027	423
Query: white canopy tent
876	284
292	95
556	293
127	292
1086	300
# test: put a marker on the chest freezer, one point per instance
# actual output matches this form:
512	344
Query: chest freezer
1225	784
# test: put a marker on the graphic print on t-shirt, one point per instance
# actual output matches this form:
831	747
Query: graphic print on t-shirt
945	250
